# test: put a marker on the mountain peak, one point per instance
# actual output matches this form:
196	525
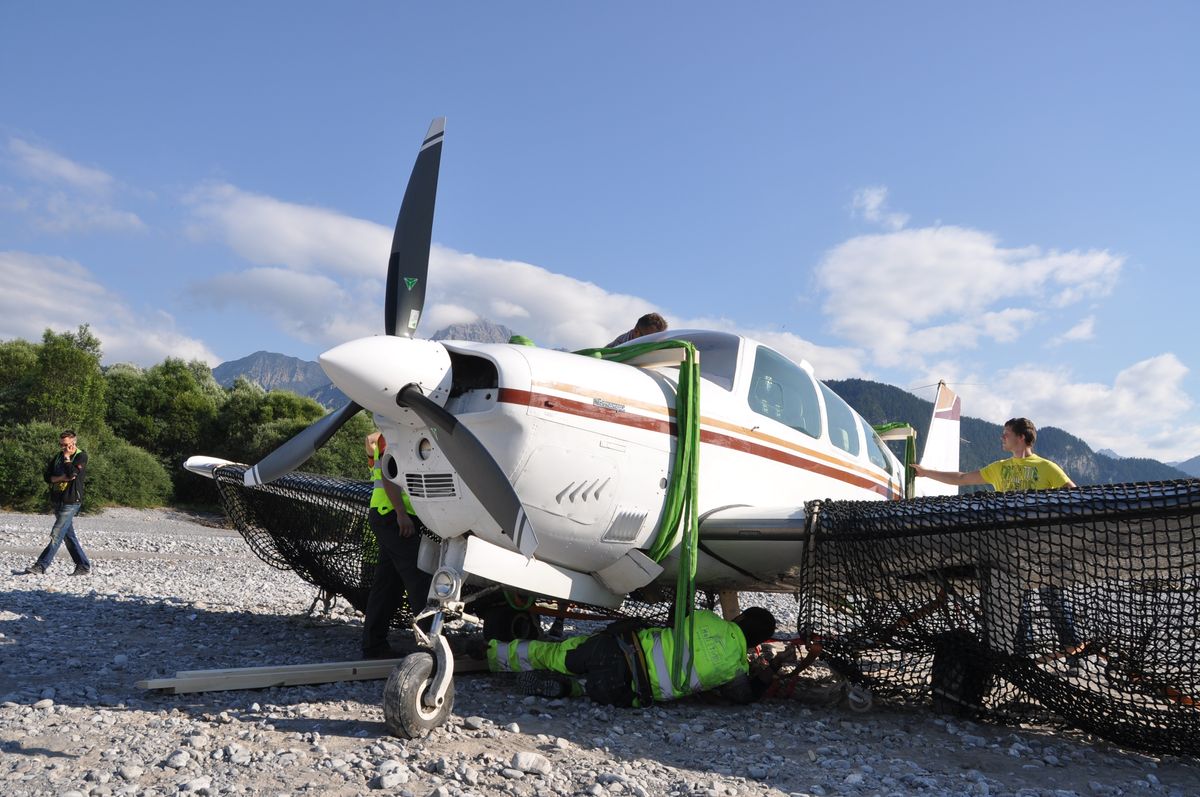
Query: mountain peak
481	331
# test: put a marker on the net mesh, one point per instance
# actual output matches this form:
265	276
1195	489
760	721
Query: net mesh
314	525
1078	603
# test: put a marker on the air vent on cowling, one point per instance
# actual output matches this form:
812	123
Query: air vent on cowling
625	526
430	485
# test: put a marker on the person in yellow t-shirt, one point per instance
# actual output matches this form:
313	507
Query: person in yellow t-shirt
1024	470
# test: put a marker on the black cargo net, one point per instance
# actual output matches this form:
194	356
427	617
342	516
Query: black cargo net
1076	604
314	525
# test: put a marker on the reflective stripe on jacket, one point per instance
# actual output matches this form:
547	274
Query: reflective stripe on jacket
523	655
719	656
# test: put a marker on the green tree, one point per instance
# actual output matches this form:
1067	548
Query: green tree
122	474
67	388
18	360
254	423
180	420
25	448
125	388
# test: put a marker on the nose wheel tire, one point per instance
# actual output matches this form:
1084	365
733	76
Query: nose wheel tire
404	709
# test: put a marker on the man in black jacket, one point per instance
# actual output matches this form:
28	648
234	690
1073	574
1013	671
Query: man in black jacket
65	475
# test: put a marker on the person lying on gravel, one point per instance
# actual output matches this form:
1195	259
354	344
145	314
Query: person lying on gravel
624	665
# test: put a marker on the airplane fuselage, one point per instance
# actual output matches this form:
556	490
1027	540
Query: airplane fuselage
588	443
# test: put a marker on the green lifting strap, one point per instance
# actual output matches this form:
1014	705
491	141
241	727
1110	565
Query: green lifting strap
910	453
680	519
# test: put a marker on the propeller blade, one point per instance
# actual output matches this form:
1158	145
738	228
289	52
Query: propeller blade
296	451
478	469
408	267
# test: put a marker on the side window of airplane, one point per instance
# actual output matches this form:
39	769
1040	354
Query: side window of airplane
843	424
875	448
784	392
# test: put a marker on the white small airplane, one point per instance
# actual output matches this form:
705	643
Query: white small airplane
572	477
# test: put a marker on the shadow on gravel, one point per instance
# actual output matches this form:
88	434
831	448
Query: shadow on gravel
91	649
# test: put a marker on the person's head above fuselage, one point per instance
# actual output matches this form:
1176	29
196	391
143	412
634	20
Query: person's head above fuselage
649	324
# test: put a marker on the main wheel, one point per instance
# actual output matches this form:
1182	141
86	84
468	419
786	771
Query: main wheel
957	682
404	709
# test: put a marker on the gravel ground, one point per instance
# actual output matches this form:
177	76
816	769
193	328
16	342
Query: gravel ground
175	592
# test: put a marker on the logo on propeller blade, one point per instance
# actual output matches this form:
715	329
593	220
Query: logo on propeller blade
411	282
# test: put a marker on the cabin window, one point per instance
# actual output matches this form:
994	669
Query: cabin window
876	450
784	392
843	423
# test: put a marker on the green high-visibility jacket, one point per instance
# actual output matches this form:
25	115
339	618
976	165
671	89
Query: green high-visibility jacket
379	497
718	657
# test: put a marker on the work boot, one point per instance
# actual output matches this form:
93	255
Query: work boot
80	570
543	684
35	570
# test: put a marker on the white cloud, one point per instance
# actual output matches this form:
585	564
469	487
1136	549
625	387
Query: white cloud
43	292
1084	330
828	362
45	165
311	307
325	284
906	295
442	315
871	202
325	275
269	232
62	195
1142	413
502	309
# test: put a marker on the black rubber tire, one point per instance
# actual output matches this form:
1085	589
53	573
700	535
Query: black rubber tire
504	623
404	713
957	683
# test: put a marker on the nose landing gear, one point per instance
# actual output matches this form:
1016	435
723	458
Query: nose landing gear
419	694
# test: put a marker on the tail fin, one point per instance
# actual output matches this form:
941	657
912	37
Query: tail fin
942	442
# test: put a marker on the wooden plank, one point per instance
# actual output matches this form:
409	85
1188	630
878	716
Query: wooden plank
192	681
730	607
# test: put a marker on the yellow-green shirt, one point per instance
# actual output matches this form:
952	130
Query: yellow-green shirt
1023	473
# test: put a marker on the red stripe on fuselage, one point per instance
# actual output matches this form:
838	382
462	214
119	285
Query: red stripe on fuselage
585	410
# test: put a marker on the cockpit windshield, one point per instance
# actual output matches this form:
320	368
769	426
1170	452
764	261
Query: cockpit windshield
718	352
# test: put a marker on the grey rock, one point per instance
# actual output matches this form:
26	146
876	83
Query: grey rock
391	780
535	763
178	759
200	784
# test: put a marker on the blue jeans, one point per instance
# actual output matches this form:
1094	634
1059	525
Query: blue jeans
64	531
1062	619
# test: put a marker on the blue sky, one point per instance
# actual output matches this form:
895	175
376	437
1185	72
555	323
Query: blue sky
1001	197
